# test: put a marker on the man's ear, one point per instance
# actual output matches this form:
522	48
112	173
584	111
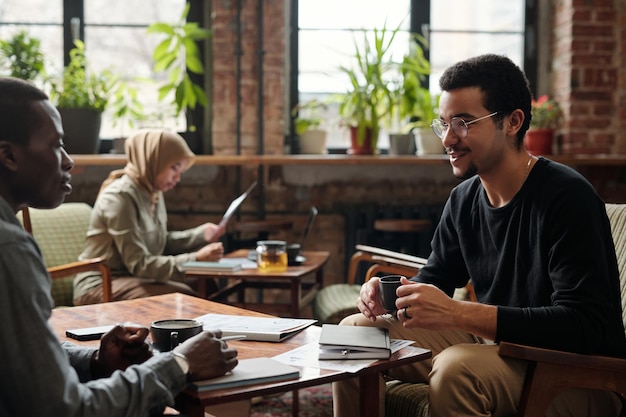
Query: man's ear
7	155
516	120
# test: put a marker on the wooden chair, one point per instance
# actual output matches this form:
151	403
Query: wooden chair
60	233
551	371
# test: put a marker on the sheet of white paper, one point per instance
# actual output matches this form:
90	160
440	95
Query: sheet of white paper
256	324
306	355
235	205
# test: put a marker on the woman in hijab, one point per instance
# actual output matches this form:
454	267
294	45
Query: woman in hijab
128	225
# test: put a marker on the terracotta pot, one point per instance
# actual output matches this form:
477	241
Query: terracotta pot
539	141
364	148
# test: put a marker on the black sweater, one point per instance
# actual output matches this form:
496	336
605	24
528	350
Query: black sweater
546	259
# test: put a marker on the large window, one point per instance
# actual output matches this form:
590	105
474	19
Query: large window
455	30
114	32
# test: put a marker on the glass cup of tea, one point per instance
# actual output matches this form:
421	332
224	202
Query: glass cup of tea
271	255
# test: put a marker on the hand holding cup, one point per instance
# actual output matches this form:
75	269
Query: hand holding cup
388	286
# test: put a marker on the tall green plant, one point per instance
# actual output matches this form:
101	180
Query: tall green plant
178	54
22	56
370	98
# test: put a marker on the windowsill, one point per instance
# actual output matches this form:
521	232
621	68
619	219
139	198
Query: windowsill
342	159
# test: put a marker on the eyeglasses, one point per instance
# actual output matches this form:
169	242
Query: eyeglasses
458	125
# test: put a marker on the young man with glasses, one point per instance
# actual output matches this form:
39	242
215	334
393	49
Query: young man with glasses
535	240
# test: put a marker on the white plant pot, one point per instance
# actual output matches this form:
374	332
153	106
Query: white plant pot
427	142
313	142
401	144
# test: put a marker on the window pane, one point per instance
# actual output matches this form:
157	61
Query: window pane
352	14
448	48
116	12
31	11
483	15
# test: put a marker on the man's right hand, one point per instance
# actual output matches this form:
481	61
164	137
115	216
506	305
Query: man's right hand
369	301
207	355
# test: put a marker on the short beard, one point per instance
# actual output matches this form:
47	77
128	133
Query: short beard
469	172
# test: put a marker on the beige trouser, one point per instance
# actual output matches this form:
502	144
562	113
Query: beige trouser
466	377
130	288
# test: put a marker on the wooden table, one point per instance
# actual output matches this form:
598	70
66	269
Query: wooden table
146	310
293	279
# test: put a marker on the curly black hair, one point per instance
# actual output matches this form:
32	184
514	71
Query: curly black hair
17	118
504	85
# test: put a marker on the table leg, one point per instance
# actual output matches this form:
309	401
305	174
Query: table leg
189	406
368	394
296	287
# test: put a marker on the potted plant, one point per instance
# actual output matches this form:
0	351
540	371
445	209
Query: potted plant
369	98
307	120
546	116
413	105
22	56
81	96
426	110
179	55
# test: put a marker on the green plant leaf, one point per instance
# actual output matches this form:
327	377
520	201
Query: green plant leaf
161	27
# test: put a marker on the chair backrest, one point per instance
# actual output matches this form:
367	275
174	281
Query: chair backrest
617	217
60	233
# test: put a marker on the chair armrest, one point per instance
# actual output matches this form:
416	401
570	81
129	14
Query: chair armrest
391	254
94	264
557	357
390	269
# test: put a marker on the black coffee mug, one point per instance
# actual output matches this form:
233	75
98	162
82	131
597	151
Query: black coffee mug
167	334
293	251
388	286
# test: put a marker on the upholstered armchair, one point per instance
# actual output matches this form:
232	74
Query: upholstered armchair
60	233
553	371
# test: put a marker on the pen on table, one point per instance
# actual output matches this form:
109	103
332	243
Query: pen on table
233	337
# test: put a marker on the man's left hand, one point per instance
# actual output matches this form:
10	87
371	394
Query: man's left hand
122	346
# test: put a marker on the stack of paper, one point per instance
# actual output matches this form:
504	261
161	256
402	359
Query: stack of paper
354	342
221	266
249	372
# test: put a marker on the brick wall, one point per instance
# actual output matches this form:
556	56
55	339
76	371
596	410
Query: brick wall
270	45
588	74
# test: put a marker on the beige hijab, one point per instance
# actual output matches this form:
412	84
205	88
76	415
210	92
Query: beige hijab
148	154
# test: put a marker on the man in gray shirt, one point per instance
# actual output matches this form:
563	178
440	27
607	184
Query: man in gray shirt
40	376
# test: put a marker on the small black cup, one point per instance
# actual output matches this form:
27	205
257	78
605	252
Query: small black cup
167	334
293	251
388	286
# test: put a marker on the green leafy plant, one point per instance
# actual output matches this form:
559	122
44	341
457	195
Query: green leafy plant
126	107
307	115
22	56
77	88
546	113
178	54
414	105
